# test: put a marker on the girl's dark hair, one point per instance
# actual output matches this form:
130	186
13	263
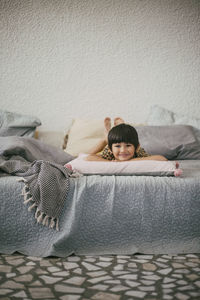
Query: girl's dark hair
123	133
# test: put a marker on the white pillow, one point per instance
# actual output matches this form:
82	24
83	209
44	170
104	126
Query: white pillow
161	116
53	138
142	167
83	135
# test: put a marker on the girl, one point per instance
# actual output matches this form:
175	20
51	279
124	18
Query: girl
120	144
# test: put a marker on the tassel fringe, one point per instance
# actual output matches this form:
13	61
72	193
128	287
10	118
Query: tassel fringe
45	221
41	217
28	200
57	225
21	179
31	207
37	213
75	174
52	223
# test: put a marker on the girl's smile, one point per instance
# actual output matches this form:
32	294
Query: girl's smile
123	151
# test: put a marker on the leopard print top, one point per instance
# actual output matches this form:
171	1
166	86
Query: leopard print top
107	153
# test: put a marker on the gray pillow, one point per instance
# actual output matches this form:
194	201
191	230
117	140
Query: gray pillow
173	142
12	124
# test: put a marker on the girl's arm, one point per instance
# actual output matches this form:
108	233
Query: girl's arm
151	157
94	157
99	147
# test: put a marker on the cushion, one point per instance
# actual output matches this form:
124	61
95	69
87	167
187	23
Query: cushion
83	135
12	124
143	167
53	138
173	142
161	116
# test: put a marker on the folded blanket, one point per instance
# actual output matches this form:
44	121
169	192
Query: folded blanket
40	167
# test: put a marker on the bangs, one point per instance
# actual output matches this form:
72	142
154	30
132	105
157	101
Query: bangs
123	133
122	138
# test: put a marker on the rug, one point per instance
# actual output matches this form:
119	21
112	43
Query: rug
152	277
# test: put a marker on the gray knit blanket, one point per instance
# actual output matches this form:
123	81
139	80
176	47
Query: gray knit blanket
40	167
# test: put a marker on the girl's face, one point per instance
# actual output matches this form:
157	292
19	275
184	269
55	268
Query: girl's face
123	151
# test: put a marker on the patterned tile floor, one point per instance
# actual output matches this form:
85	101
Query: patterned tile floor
152	277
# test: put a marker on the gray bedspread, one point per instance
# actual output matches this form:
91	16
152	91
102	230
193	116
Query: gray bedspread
109	215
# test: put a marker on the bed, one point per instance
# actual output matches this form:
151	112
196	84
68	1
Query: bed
111	214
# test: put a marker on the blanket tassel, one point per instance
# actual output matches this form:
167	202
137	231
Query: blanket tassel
27	200
32	206
57	225
37	213
52	223
45	221
39	219
21	179
25	190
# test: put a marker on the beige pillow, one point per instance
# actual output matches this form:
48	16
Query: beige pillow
83	135
53	138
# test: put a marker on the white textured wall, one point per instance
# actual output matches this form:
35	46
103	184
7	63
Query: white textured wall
62	59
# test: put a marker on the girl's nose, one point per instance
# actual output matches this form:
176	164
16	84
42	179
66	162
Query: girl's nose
122	148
